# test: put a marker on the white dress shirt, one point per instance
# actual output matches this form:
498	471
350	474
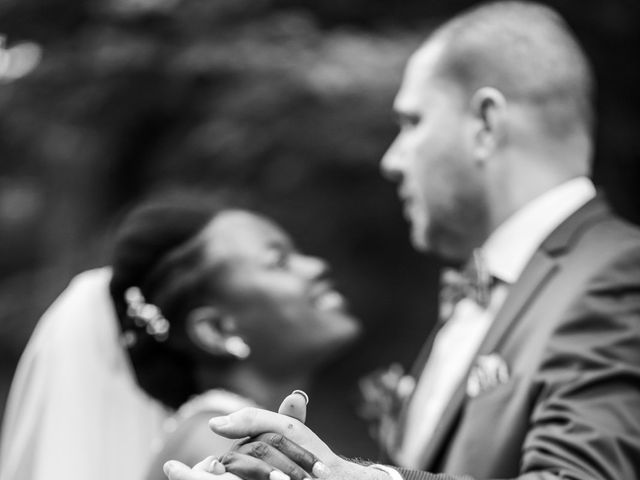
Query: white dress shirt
506	253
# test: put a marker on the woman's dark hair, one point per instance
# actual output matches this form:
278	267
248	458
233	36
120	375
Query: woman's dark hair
157	249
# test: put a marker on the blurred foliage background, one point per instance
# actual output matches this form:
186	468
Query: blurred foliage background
283	103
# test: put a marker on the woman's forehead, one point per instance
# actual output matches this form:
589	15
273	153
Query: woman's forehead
241	232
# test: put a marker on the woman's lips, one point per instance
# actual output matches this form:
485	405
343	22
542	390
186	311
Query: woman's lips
324	297
330	300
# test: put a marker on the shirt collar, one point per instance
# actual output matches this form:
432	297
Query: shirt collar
513	243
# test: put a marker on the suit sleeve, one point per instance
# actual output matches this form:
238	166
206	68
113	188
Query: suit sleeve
586	418
419	475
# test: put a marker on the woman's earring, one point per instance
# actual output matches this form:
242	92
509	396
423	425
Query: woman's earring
237	347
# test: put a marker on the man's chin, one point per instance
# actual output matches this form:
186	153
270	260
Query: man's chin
447	252
419	241
451	257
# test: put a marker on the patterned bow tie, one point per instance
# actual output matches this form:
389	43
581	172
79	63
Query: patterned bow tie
474	281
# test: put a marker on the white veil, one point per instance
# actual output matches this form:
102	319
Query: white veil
74	410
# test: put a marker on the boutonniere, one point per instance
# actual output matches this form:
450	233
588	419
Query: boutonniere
488	372
382	394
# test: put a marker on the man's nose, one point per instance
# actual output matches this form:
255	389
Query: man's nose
391	163
310	267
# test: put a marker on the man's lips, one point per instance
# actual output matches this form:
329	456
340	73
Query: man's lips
406	199
403	193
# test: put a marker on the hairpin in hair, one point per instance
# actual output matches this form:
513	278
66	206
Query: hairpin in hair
146	314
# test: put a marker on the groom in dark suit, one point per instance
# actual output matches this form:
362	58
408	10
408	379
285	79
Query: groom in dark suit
535	373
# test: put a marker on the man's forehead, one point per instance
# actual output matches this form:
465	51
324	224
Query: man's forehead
426	63
419	72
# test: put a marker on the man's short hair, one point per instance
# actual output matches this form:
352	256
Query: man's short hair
525	50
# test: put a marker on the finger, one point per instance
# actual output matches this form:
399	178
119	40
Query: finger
251	468
179	471
210	464
295	405
269	454
217	467
250	422
205	465
291	450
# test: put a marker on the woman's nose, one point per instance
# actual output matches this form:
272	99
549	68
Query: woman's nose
310	267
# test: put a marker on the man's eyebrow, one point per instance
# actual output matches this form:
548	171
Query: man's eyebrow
405	118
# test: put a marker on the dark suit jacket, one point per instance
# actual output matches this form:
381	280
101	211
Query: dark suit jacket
569	331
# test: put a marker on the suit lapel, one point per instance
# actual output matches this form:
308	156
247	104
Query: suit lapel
539	269
541	266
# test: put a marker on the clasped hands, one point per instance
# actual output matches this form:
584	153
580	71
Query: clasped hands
273	446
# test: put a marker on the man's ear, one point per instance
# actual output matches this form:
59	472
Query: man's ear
215	332
488	105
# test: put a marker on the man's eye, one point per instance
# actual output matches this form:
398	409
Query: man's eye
411	123
408	121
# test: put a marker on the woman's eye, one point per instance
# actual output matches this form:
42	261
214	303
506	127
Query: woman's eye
278	259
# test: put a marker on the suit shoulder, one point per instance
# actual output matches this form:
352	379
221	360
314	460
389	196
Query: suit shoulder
610	236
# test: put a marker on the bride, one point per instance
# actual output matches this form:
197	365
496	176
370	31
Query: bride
204	310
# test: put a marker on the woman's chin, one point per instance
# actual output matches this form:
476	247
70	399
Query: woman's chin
347	329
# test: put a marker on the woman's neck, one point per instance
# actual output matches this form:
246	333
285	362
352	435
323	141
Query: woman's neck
267	391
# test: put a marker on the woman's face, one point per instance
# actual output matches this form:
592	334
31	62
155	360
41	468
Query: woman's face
284	306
